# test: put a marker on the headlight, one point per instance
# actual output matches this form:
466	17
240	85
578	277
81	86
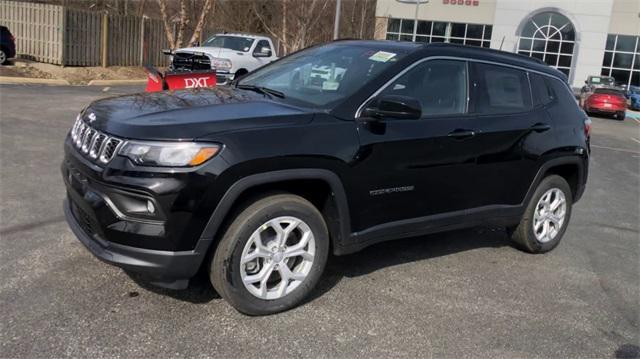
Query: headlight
169	154
221	64
74	129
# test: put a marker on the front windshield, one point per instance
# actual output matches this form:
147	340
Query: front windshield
321	75
235	43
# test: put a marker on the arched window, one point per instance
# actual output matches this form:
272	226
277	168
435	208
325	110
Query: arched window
550	37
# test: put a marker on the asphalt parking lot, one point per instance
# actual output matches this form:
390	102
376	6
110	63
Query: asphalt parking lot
461	294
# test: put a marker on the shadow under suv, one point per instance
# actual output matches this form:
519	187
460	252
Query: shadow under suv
257	182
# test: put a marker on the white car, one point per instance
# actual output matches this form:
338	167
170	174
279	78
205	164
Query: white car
231	55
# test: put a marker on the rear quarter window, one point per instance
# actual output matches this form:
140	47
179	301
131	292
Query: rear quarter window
561	91
542	94
500	90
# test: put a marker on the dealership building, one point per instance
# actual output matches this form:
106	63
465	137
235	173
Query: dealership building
578	37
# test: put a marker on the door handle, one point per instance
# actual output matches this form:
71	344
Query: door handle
540	127
461	134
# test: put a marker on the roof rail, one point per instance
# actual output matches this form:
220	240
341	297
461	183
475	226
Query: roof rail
485	49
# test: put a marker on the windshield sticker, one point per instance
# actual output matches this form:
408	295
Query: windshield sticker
382	56
595	80
330	85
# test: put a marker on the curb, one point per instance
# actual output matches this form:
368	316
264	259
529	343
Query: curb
116	82
8	80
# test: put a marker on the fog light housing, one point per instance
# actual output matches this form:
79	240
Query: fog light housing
150	207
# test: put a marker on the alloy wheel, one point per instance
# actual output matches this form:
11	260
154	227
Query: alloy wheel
549	215
277	257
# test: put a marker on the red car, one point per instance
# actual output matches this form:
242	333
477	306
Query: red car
606	101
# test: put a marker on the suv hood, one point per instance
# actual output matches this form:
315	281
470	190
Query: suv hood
189	114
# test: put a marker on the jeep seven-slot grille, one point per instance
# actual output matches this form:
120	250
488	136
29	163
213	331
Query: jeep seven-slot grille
92	143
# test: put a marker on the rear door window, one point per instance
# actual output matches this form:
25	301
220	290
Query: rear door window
500	90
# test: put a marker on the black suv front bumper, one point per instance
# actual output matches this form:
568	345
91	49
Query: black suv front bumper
164	268
158	248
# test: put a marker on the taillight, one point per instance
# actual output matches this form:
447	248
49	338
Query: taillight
587	127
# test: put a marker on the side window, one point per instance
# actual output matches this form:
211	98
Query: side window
439	85
542	94
261	44
561	91
500	89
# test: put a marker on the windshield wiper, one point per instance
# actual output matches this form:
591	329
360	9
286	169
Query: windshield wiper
263	90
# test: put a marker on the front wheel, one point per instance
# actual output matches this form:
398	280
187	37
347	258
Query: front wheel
546	218
3	57
271	256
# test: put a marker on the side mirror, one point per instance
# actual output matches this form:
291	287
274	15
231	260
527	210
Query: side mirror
167	51
394	107
586	82
264	52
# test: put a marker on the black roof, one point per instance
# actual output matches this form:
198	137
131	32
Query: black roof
479	53
500	56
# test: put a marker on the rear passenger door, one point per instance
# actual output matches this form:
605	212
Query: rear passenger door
510	131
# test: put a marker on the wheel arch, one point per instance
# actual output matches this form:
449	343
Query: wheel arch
335	213
241	72
571	168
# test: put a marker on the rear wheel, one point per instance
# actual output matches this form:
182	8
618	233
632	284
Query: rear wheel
546	218
3	57
271	256
620	115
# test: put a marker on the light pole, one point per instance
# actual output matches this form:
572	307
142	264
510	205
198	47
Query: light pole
336	21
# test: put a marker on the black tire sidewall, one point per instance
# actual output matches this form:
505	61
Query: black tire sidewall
227	257
548	183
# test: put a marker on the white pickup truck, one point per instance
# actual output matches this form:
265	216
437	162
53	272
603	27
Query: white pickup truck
231	55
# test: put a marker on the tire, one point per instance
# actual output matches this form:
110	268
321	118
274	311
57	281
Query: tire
620	116
3	57
262	216
524	235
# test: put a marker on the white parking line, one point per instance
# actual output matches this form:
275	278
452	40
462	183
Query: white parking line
616	149
635	139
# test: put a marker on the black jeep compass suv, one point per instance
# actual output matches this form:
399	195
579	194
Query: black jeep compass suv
330	149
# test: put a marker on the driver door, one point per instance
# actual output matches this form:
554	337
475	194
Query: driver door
415	168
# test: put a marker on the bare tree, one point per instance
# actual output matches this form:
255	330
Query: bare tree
183	20
197	32
294	23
